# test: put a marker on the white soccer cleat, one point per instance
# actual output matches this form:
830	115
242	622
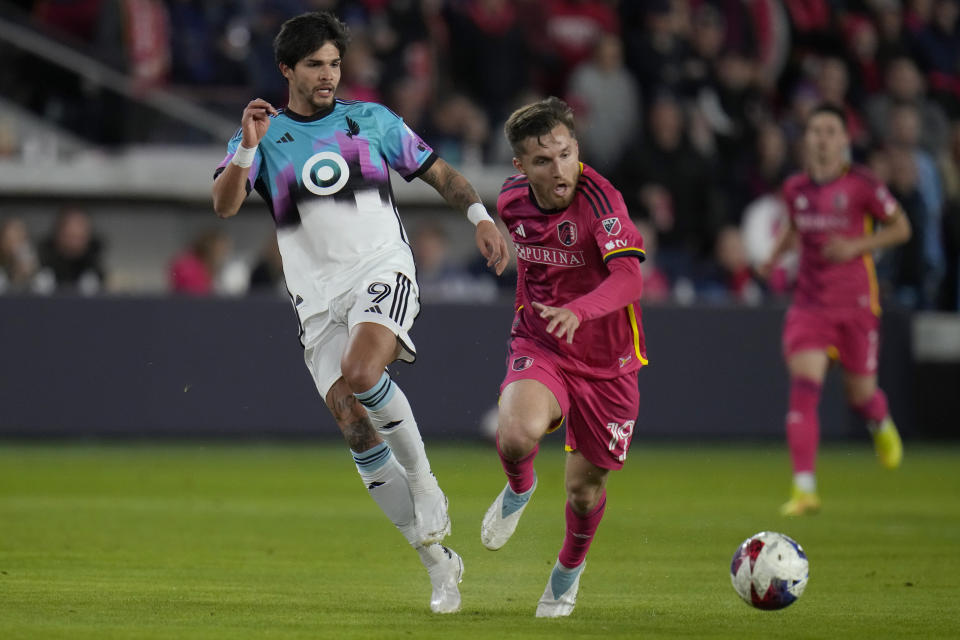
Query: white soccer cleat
433	518
502	517
445	576
560	596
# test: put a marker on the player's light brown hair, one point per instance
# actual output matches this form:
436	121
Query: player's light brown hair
537	119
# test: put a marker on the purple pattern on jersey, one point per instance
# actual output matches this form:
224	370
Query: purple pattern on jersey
280	196
560	257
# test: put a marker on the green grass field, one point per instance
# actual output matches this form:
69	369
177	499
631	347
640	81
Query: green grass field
253	541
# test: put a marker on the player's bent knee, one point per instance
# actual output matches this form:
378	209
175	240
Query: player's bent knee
584	499
515	443
359	376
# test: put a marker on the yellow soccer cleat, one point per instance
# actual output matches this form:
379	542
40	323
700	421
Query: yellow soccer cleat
886	442
801	503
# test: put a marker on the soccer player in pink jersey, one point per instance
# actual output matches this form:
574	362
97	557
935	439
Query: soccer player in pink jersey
835	311
577	342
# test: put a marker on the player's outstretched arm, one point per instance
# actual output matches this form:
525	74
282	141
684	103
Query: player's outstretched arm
621	287
460	194
230	187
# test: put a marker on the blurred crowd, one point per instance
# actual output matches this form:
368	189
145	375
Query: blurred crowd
693	108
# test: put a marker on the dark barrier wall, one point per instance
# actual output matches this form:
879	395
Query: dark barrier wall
234	367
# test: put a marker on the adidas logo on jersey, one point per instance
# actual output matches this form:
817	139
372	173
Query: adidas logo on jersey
286	137
374	309
520	231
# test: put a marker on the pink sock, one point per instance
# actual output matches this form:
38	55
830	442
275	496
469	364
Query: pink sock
580	530
875	408
519	472
803	424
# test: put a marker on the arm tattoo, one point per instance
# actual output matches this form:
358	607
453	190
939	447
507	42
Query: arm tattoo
450	183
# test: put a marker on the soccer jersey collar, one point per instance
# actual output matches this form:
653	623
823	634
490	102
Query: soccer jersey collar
319	115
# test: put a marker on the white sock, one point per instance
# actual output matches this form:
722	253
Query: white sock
392	417
387	484
431	555
805	481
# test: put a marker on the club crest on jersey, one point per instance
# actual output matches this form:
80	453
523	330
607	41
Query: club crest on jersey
521	363
611	226
325	173
568	233
840	201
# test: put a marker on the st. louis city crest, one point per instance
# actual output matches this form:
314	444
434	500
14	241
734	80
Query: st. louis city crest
521	362
568	233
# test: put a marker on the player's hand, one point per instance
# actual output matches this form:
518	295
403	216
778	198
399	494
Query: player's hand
492	245
563	322
839	249
256	121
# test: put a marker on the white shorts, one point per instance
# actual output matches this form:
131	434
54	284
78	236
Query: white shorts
387	297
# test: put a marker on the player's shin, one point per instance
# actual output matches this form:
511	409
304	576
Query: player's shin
803	426
392	417
520	473
387	484
580	531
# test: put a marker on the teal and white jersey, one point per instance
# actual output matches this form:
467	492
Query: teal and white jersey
326	181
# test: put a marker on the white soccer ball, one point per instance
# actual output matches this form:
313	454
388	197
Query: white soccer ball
769	570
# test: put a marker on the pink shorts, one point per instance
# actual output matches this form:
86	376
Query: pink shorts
600	414
850	335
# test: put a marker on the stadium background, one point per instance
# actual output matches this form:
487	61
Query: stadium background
122	109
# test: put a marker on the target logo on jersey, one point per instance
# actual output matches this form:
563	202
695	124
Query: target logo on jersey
568	233
325	173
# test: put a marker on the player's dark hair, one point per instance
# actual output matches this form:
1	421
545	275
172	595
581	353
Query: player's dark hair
304	34
823	107
537	119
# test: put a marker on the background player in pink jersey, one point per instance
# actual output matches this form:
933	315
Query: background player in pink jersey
835	310
577	343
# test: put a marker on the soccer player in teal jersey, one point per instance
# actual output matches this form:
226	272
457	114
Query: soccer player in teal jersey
322	165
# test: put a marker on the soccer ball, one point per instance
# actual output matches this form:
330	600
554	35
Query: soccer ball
769	570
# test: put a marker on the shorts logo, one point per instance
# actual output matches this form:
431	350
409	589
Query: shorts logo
625	360
521	363
325	173
612	226
568	233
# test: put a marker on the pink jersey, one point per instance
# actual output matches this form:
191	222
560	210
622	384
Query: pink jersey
562	255
846	206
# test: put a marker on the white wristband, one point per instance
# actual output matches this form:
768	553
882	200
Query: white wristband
477	213
243	156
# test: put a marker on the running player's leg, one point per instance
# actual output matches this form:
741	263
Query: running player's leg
602	418
807	335
586	503
386	482
859	350
528	409
869	401
807	370
370	348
